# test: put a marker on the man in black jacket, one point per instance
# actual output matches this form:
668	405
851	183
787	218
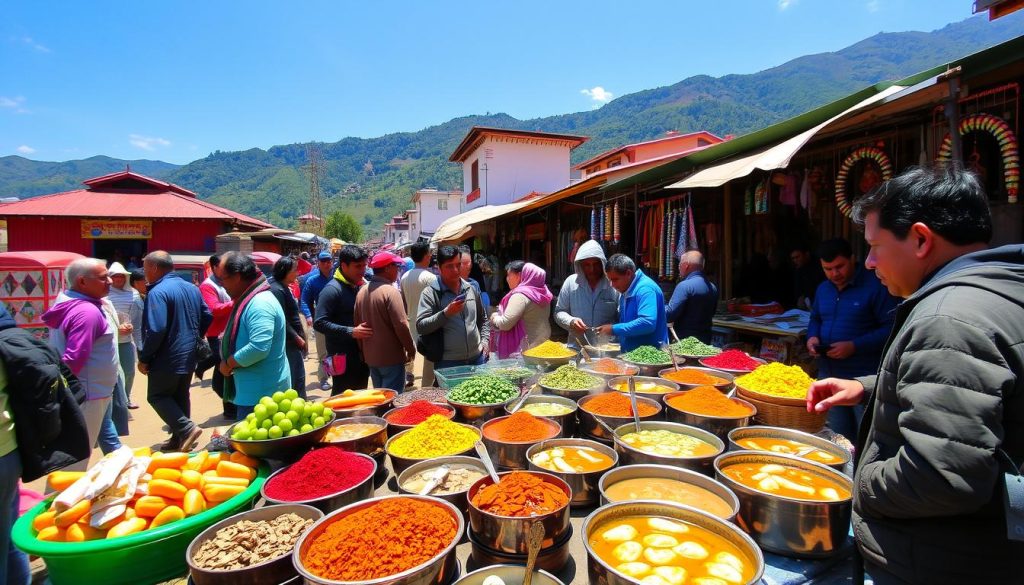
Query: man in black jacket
946	408
334	318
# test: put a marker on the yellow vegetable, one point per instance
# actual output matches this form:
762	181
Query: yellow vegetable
52	534
211	461
72	514
218	480
167	473
196	461
167	515
229	469
43	520
220	493
192	479
127	527
194	503
166	488
61	480
143	452
150	506
239	457
167	460
79	532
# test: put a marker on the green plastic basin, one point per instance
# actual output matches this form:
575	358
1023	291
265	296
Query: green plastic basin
150	556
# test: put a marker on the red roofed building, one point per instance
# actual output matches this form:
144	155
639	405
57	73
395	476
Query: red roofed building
646	154
120	215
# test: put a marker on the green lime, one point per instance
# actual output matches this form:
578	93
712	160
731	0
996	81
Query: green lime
286	425
277	396
319	422
242	434
309	409
306	428
260	435
272	408
291	394
293	416
275	432
267	401
318	408
250	417
293	432
266	424
285	405
278	417
260	410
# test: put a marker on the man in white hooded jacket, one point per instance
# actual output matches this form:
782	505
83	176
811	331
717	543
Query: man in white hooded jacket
587	298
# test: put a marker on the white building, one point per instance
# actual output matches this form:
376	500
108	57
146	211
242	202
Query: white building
396	231
431	209
501	166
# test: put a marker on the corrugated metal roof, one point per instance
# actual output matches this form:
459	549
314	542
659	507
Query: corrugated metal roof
87	203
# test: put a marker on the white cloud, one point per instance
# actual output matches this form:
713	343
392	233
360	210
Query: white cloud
25	149
37	46
874	5
13	103
598	94
785	4
147	142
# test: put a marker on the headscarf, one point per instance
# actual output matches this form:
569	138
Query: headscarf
533	288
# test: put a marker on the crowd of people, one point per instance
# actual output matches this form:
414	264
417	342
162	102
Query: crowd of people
920	352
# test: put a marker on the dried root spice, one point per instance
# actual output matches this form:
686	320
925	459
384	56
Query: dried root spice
248	543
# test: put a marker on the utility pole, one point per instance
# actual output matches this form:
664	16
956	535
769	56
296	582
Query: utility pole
314	169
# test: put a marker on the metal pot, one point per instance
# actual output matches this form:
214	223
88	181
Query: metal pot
508	574
478	414
808	439
724	387
572	394
662	386
628	370
584	486
667	472
510	534
719	425
400	464
368	445
329	502
552	558
590	427
648	370
631	455
512	454
272	570
601	572
457	498
436	571
374	410
567	420
787	526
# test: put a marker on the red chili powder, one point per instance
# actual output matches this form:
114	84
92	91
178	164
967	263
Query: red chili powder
417	412
731	359
319	473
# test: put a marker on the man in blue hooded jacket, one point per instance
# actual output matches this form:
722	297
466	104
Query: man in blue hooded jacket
641	306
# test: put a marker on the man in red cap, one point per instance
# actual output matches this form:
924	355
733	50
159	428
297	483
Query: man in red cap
380	306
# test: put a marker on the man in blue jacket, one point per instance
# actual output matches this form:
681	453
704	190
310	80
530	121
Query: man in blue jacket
851	318
174	319
694	300
311	289
641	306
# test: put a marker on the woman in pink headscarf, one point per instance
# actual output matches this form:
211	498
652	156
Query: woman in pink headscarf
522	319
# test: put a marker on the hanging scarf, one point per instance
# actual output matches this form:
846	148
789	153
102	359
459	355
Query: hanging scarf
691	233
229	342
533	288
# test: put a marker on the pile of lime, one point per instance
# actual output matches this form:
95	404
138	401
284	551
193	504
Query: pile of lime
283	414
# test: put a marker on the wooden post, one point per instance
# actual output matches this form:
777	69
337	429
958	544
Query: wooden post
727	235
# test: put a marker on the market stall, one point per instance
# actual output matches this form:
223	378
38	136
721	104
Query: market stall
30	283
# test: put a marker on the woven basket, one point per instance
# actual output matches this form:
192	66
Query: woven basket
777	411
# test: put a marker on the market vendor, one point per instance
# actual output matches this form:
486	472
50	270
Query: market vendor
851	318
587	298
253	363
641	306
694	300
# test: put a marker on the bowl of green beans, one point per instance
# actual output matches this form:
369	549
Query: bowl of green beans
481	398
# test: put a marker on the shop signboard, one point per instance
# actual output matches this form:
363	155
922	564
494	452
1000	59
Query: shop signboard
103	229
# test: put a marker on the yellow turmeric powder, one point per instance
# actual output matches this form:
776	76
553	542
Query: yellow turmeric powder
435	437
777	379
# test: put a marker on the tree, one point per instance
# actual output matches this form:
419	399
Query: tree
343	226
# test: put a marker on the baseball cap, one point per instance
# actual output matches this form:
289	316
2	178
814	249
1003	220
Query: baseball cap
324	256
382	259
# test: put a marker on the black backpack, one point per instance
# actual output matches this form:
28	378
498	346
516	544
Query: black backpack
44	398
431	345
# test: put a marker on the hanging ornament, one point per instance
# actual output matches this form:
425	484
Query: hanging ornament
593	223
617	221
607	223
874	155
1007	147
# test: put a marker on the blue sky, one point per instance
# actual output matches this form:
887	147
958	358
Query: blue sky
177	80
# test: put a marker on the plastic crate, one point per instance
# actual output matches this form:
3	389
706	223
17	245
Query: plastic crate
449	378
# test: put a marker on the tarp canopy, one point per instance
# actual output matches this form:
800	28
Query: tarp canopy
772	157
458	226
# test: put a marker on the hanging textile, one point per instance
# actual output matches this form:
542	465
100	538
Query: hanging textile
617	222
805	190
680	239
692	231
607	223
593	223
748	200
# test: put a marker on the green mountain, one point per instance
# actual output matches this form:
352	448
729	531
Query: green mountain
374	178
21	177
